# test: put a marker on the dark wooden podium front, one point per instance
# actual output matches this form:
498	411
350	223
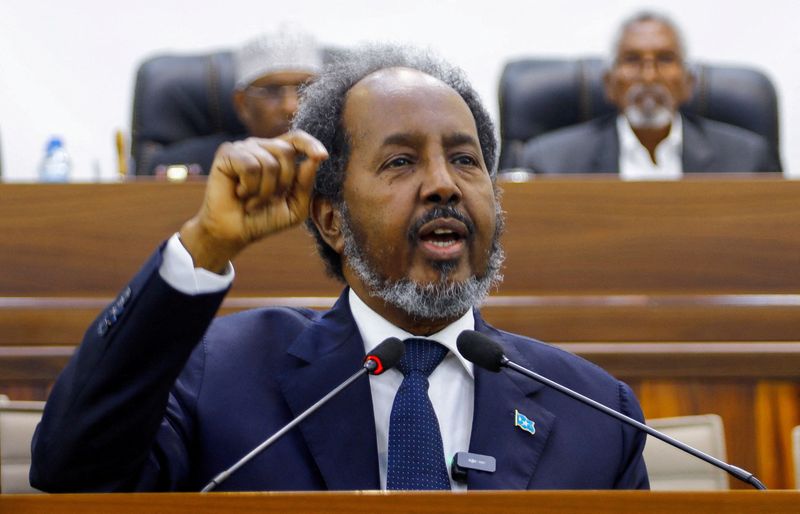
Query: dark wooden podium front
689	291
554	502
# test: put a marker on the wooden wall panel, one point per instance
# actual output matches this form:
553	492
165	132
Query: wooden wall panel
563	237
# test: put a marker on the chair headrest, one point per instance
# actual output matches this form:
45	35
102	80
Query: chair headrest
179	97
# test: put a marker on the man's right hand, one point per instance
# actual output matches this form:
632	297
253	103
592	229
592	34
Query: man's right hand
256	187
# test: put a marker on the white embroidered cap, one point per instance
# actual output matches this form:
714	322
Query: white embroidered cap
275	52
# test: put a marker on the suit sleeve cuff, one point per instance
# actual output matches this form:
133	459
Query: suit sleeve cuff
177	270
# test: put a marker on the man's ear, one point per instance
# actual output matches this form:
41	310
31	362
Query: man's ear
238	98
328	220
609	94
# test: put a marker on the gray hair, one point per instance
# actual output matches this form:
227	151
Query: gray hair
644	16
322	106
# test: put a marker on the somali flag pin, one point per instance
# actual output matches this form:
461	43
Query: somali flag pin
522	421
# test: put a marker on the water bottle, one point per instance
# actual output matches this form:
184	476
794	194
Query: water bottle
56	165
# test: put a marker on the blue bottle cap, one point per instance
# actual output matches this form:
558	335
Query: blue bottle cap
54	143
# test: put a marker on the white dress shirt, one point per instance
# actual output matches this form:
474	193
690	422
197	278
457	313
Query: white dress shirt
634	159
177	270
452	386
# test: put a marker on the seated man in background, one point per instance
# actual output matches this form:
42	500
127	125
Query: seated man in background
394	169
269	70
649	138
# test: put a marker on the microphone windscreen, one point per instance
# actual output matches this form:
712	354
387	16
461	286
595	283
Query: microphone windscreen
480	349
386	355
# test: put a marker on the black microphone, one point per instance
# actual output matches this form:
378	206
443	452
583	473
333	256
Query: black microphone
385	356
488	354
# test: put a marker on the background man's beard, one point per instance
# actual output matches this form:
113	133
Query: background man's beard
649	106
444	299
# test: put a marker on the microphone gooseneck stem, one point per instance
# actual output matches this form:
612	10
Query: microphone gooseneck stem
739	473
217	480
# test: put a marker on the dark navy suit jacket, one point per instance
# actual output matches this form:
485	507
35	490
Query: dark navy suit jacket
593	147
143	406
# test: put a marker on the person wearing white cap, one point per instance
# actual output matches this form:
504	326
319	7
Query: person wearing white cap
269	71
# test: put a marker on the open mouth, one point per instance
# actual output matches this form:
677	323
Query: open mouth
443	238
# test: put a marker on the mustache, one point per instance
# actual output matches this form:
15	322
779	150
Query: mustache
440	212
656	92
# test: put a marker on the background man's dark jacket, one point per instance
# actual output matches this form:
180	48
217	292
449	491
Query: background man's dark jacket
593	147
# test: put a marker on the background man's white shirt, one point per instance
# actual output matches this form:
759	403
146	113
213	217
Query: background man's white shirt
634	159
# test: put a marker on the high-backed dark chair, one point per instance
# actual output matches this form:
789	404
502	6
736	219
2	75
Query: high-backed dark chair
540	95
180	97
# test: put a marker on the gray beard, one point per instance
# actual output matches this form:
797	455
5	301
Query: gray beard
444	299
649	107
659	117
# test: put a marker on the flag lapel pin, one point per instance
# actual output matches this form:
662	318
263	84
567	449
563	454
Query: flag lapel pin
522	421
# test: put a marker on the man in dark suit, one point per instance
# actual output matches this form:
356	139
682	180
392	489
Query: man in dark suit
404	210
649	139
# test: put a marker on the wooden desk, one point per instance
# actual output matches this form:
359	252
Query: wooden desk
477	502
689	290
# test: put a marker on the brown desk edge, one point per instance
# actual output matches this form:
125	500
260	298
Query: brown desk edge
478	502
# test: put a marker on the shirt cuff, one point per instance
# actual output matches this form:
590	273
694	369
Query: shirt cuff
178	270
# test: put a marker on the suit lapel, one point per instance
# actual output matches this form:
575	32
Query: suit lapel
697	152
341	434
497	397
606	153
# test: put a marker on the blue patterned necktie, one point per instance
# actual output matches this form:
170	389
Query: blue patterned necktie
416	453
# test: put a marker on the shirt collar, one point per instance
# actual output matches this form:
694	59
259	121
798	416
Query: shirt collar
675	137
374	328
